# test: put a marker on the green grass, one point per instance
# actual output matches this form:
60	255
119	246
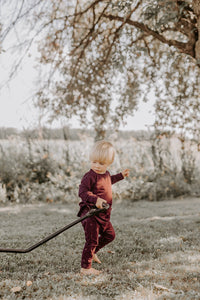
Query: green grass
156	253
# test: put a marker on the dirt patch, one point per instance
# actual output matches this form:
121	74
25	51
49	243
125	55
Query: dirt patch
156	253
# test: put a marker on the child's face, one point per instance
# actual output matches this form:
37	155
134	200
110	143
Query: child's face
99	168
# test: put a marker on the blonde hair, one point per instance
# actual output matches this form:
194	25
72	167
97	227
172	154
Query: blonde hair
103	152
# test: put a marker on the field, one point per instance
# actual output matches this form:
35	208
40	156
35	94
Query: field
159	169
156	253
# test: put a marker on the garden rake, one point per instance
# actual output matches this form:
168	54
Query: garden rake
90	213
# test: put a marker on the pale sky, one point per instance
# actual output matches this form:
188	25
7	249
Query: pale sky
17	110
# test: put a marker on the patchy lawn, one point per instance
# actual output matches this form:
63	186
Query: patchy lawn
156	253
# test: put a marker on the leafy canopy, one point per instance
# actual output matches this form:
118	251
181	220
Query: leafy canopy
102	57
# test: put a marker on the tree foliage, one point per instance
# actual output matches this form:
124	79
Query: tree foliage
103	57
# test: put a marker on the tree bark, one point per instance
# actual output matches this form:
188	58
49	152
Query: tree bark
196	6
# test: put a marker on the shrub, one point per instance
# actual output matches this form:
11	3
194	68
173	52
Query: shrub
12	170
18	169
53	169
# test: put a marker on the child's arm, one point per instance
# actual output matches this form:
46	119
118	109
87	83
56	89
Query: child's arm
125	173
85	190
120	176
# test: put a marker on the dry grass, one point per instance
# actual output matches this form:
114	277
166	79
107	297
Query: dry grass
58	166
156	254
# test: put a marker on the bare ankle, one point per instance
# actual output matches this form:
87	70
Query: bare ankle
96	259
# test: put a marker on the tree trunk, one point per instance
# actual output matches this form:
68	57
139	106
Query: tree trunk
100	133
196	6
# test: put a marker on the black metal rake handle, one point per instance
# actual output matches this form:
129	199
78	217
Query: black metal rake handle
90	213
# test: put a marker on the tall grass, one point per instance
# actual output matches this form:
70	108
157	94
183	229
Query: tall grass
50	170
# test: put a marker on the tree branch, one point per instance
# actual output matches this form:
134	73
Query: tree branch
186	48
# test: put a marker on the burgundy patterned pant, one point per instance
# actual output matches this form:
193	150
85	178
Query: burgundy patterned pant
97	236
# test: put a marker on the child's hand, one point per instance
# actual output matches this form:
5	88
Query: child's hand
125	173
99	203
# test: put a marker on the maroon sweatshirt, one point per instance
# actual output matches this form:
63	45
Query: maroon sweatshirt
95	185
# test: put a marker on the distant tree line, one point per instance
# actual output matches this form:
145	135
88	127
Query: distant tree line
45	133
67	133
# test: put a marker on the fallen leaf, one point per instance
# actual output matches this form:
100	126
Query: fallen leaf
184	239
46	273
160	287
29	283
16	289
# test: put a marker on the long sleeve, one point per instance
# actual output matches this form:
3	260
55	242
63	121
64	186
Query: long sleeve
117	177
85	189
95	185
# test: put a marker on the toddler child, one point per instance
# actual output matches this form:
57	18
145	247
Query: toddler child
95	190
